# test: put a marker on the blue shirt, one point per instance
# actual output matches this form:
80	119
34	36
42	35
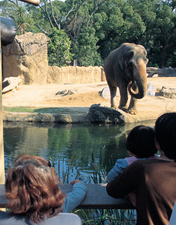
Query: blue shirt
75	197
121	165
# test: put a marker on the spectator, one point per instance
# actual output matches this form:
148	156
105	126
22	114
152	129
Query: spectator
33	193
153	181
140	145
74	198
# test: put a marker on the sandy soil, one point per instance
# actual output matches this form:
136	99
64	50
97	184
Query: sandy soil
84	95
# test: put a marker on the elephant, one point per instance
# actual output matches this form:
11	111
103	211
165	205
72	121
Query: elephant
125	68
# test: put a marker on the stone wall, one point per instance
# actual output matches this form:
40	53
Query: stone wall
75	74
26	58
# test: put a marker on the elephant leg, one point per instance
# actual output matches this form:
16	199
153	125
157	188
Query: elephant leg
123	96
132	109
113	95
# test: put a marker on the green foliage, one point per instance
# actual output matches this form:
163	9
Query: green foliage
35	109
86	49
107	216
95	28
59	48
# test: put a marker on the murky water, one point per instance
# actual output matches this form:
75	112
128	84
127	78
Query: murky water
77	151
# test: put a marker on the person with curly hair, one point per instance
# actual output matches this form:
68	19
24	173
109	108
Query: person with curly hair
33	194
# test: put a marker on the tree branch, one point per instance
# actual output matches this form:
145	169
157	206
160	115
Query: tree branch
52	13
95	7
41	29
46	11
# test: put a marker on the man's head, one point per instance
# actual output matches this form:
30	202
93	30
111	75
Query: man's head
165	130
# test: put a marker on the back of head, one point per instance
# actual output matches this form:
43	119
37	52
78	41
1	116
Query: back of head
165	129
21	159
141	141
32	190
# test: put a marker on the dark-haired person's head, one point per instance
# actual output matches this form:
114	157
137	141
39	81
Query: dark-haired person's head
32	190
165	129
141	141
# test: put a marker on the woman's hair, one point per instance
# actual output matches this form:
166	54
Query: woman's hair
32	189
20	160
141	141
165	129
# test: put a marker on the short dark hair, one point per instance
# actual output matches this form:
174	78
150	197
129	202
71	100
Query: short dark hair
32	190
141	141
165	129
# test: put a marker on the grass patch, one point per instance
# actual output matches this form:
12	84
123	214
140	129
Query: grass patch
34	109
19	109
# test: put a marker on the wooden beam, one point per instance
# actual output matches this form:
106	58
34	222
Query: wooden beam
96	198
34	2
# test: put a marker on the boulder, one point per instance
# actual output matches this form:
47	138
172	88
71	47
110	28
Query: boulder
106	93
65	92
161	72
5	84
168	92
100	114
150	89
26	58
13	83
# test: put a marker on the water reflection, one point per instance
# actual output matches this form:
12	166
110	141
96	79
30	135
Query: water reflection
83	151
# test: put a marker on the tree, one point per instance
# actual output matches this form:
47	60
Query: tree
164	40
59	48
86	49
123	24
95	28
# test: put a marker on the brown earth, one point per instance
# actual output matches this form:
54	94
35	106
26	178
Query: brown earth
82	96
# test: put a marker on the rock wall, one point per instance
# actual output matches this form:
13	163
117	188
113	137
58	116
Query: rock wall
26	58
75	74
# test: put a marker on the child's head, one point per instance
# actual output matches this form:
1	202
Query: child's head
165	129
141	141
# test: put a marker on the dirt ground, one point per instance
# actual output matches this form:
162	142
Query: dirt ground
84	95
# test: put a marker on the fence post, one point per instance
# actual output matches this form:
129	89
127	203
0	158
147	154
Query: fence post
2	170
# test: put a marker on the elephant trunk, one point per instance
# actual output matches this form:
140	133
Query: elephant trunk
140	76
